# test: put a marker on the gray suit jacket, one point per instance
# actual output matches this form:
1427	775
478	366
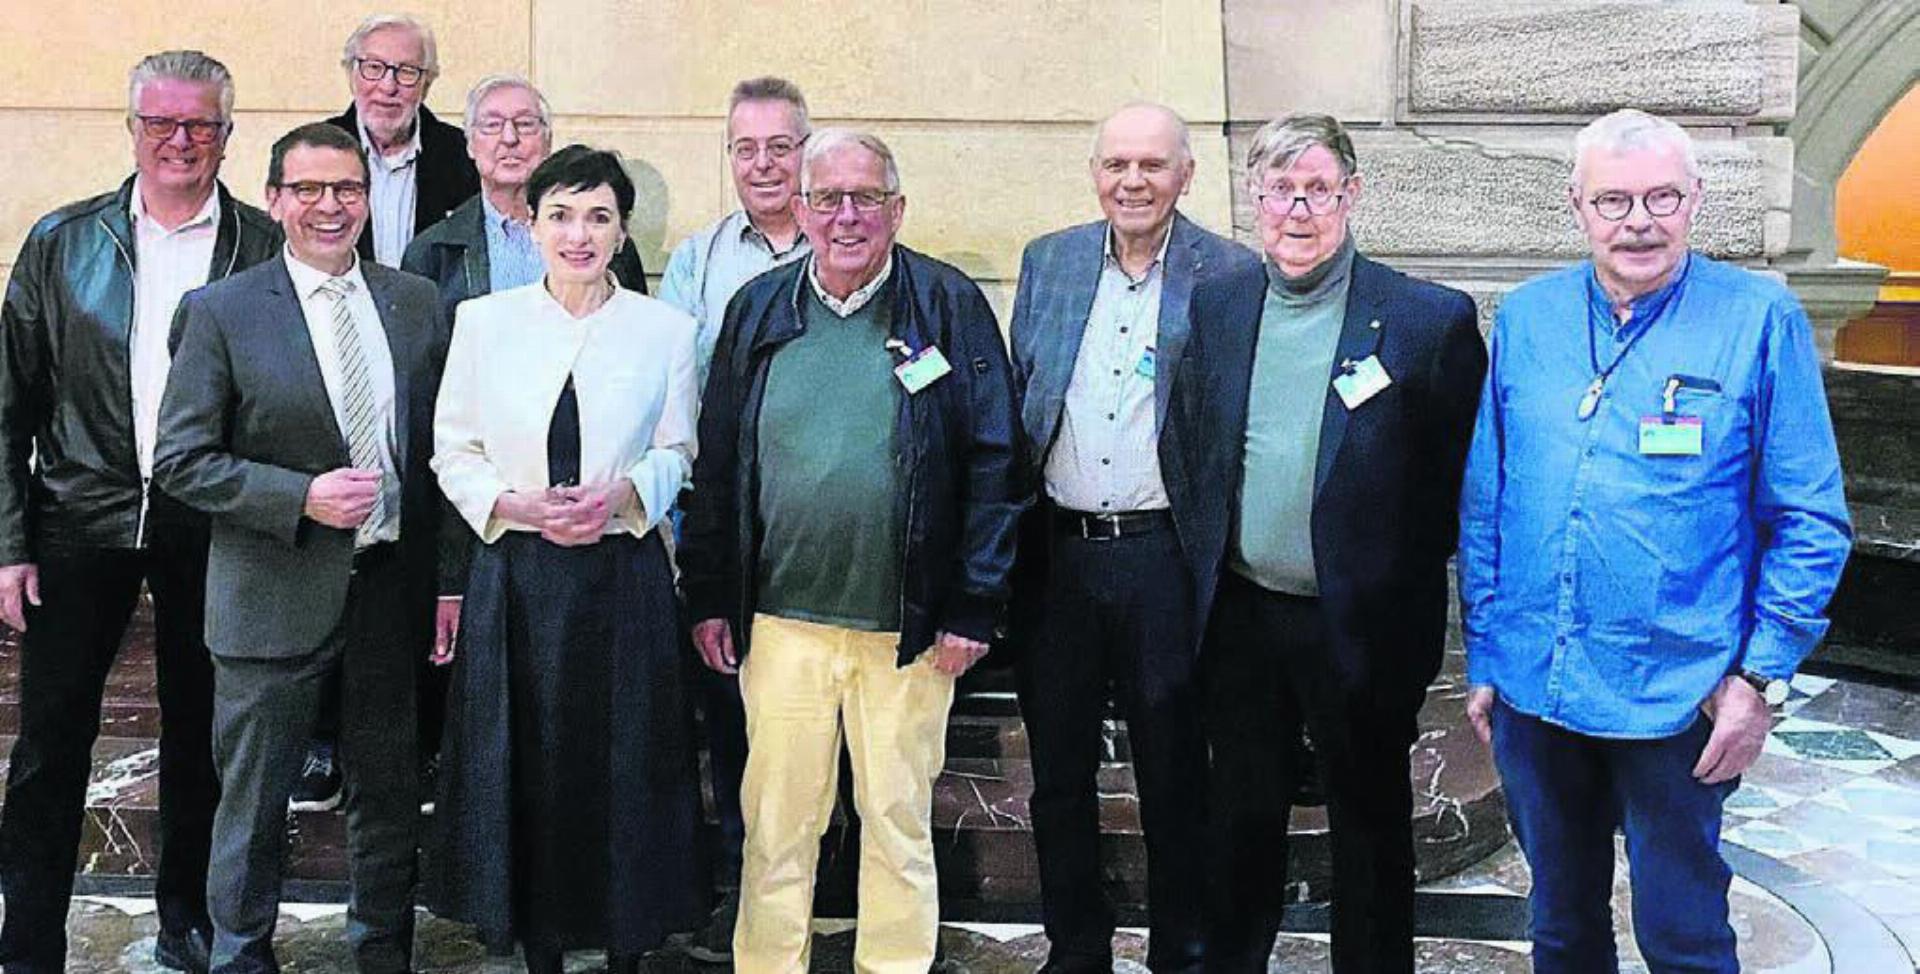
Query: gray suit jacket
1059	273
246	425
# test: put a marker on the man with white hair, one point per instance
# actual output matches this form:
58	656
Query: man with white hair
419	163
859	541
83	362
1105	594
1651	527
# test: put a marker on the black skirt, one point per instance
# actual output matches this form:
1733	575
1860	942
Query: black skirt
569	806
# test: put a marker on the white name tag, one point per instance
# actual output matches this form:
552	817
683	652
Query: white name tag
921	369
1361	381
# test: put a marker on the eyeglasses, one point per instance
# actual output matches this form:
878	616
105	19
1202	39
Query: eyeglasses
1319	200
777	148
200	131
864	200
374	69
524	126
346	192
1664	201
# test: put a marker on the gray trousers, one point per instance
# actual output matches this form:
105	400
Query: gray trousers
264	711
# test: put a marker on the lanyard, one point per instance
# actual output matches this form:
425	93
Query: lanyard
1590	402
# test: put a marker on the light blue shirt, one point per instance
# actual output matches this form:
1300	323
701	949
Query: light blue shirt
707	268
513	258
1609	591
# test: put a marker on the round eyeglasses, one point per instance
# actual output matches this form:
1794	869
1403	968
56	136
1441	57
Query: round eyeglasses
1319	200
1614	206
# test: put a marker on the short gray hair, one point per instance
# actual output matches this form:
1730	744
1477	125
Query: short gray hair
1280	143
829	140
770	88
191	66
429	51
1631	128
494	82
1179	125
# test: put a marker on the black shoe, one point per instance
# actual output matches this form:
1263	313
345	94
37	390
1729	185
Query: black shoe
318	789
190	951
713	943
542	960
429	783
1061	963
623	963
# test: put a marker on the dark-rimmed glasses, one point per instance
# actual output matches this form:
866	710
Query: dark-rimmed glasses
1615	206
374	69
864	200
200	131
346	192
1319	200
524	126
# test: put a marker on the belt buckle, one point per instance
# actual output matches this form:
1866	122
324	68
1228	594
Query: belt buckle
1112	522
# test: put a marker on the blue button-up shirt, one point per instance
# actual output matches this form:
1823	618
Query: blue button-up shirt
1609	591
513	258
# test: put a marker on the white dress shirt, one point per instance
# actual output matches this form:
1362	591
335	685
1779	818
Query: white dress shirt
318	310
633	370
167	264
392	193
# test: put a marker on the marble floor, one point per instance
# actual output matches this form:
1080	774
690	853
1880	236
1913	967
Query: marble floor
1824	835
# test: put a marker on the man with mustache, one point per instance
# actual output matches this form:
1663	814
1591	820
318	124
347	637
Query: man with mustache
1651	527
83	362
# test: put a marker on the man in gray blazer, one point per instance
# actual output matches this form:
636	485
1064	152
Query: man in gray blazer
1102	590
299	417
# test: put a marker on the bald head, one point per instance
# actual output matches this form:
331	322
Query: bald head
1144	119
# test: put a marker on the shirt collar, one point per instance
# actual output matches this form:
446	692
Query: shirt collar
1647	306
308	278
752	234
855	301
392	165
208	215
1159	256
498	220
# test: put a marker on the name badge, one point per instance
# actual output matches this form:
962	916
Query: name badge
1361	381
1145	367
1670	436
922	369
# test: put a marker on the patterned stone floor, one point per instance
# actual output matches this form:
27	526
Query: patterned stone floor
1825	833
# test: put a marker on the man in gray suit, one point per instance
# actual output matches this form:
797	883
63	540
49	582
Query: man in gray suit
1099	325
299	417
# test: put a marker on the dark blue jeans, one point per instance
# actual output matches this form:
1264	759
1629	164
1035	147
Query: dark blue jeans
1566	795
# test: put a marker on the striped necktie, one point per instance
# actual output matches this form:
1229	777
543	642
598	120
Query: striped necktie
358	409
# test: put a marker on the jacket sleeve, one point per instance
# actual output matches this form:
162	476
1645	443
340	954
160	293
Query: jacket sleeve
991	497
1454	380
1478	566
710	542
1799	507
466	475
193	456
25	390
662	471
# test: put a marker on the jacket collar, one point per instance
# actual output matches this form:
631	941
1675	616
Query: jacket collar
118	221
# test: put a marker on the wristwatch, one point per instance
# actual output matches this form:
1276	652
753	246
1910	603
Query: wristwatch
1774	692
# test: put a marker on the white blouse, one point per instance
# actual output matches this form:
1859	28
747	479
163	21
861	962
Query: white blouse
632	363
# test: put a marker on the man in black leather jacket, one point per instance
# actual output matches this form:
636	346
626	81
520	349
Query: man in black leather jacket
84	336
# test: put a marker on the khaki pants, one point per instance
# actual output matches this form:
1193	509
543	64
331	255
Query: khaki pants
801	683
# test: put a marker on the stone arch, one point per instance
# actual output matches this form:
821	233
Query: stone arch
1868	62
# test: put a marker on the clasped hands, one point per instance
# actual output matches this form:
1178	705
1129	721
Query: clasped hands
569	516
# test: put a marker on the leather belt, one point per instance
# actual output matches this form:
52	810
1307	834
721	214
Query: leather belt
1108	527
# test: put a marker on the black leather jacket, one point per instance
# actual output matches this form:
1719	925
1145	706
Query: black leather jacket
69	472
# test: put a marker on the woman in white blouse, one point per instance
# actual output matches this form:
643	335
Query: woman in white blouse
569	805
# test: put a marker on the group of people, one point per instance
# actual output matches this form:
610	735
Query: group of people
420	412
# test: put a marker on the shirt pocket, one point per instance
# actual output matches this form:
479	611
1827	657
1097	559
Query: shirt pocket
1687	480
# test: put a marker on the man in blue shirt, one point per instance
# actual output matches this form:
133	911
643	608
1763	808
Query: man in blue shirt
1651	526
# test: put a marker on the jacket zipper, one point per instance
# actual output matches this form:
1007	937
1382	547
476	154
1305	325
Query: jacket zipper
133	278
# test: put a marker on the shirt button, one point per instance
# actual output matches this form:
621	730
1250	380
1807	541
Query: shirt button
1109	415
1123	329
1116	371
1104	461
1567	577
1106	504
1560	640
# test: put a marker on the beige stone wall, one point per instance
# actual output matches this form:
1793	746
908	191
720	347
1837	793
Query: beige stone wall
988	103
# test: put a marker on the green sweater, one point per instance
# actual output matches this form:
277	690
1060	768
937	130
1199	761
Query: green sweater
830	472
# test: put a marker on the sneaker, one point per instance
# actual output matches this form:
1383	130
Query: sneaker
713	943
318	789
429	783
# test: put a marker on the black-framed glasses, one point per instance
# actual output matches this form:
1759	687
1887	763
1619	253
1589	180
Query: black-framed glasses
777	148
374	69
346	192
524	126
1615	206
200	131
1319	200
864	200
